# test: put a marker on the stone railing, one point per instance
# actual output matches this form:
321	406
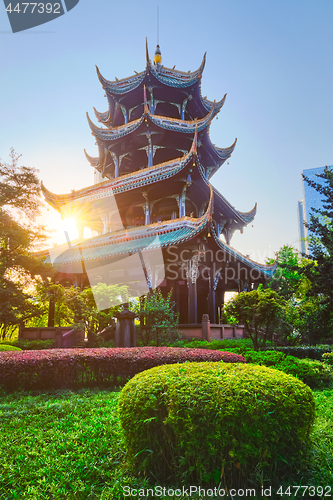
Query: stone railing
210	331
62	336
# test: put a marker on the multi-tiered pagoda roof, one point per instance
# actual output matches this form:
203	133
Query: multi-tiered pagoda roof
155	159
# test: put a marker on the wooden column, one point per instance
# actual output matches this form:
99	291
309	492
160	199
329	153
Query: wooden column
212	305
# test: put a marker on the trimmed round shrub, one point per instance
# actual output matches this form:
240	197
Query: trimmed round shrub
5	347
215	422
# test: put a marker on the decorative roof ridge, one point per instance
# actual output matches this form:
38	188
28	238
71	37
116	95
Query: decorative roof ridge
221	151
190	75
190	122
267	269
117	84
107	185
222	154
125	85
114	133
239	215
159	120
246	216
198	124
208	104
231	207
94	162
250	213
102	117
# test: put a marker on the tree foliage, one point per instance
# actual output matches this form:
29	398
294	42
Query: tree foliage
260	311
289	280
19	235
158	319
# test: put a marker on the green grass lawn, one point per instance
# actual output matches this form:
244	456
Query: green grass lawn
66	445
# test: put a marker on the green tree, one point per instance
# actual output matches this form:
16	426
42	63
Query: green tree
158	319
260	311
289	280
19	235
60	295
88	306
319	270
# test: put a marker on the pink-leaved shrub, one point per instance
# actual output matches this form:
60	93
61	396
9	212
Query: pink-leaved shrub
73	368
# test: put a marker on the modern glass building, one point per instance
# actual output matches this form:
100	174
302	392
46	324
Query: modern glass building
311	199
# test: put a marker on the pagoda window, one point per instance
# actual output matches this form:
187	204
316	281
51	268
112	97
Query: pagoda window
169	109
134	161
135	216
163	154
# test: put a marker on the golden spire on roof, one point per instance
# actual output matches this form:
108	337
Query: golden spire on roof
157	56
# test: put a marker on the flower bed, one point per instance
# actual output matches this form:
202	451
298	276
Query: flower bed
73	368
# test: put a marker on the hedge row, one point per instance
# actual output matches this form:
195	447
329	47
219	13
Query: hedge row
5	347
72	368
313	373
306	351
29	344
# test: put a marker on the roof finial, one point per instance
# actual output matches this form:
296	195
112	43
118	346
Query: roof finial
147	54
157	56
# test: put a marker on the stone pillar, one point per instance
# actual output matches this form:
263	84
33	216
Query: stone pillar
205	327
125	335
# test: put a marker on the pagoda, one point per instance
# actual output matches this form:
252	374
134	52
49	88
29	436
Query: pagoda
155	217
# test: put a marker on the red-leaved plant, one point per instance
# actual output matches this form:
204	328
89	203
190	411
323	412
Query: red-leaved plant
74	368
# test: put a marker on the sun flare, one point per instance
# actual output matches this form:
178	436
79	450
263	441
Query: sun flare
64	230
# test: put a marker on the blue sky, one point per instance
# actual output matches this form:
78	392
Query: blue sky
273	59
